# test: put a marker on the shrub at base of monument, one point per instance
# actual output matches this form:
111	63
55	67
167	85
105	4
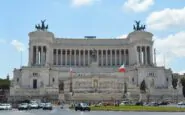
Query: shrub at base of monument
138	108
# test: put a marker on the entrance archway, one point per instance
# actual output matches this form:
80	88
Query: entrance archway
61	86
34	83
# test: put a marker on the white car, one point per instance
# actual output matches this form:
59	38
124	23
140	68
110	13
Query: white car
5	106
48	106
23	106
34	105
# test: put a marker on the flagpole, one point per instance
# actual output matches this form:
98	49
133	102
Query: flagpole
21	60
71	87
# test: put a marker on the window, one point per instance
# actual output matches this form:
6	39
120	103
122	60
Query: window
35	74
151	74
53	79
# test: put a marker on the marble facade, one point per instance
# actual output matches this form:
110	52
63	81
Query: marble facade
64	67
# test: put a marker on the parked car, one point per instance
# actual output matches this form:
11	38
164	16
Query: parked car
164	103
61	106
34	105
181	103
153	104
47	106
23	106
82	107
5	106
41	105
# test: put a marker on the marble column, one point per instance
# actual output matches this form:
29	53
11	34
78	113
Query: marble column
60	57
84	56
74	57
101	57
79	59
146	56
66	57
31	52
88	56
106	56
124	55
151	55
140	51
42	55
97	53
111	57
70	57
120	57
37	55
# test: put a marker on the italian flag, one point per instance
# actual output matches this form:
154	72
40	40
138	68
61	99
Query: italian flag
122	68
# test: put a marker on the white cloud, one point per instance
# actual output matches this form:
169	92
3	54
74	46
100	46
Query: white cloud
170	48
122	36
137	5
181	72
2	41
78	3
163	19
18	45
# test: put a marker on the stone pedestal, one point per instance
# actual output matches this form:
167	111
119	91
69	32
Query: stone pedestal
94	64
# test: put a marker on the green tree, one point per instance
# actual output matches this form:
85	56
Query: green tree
183	85
174	82
143	87
142	90
125	90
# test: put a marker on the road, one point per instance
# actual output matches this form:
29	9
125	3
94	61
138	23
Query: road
66	111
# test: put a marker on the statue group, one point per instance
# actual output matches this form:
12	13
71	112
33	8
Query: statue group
42	26
93	55
139	27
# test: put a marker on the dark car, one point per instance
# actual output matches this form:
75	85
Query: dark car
82	107
164	103
47	106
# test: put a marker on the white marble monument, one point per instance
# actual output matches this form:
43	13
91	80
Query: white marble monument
87	68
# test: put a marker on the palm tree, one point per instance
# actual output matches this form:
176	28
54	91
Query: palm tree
142	89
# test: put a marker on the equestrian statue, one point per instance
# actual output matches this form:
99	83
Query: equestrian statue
42	27
138	27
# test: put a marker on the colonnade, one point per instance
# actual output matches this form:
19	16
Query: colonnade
73	57
39	55
144	55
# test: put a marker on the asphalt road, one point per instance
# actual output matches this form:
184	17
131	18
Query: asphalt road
66	111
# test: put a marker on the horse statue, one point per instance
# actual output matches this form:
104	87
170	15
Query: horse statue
138	27
37	26
42	27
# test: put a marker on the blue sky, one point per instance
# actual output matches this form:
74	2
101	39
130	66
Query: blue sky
102	18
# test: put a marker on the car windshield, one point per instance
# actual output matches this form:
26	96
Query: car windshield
84	104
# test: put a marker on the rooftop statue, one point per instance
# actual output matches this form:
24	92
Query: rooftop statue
138	27
42	27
